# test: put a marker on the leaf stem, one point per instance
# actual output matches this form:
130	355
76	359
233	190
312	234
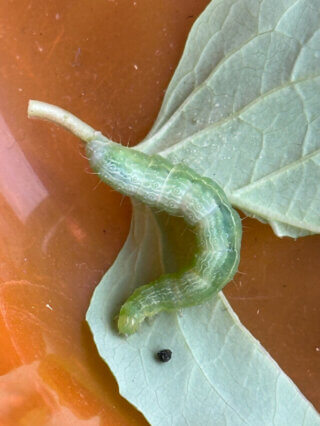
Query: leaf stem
45	111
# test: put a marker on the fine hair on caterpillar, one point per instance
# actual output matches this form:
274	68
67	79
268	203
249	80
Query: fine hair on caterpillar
179	191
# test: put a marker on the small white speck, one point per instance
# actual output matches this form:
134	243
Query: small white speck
49	307
318	348
57	16
135	66
40	48
258	311
20	89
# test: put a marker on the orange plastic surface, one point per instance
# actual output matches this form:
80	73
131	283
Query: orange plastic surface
108	62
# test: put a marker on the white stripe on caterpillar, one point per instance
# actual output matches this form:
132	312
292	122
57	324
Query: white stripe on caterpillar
179	191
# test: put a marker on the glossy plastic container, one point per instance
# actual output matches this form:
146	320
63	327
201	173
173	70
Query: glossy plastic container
109	63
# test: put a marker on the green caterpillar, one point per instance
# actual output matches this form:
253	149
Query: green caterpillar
179	191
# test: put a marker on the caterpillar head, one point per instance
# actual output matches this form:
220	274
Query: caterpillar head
129	319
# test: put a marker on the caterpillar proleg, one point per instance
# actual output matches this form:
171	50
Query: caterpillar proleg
179	191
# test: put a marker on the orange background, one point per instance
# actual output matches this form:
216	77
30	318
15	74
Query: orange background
109	63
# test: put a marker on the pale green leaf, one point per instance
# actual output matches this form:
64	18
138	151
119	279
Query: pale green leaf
218	375
244	109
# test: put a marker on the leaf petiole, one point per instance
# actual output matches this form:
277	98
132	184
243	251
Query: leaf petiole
45	111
